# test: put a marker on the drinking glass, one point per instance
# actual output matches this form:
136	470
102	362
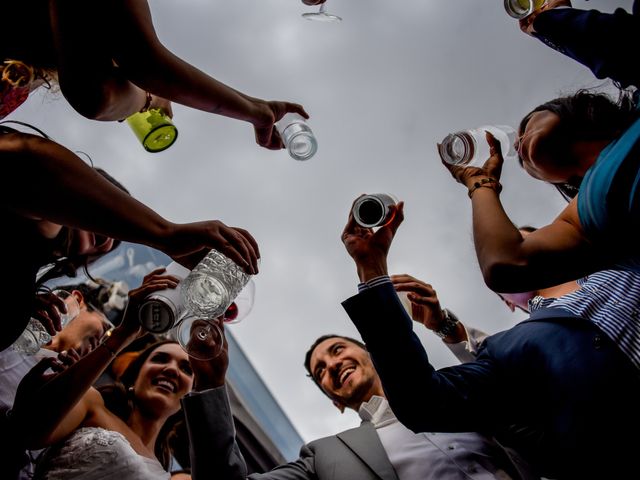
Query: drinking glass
372	210
201	338
32	338
297	136
520	9
322	15
73	307
212	285
154	129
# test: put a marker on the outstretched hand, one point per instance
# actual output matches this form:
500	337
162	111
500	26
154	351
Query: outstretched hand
188	244
266	134
492	168
369	248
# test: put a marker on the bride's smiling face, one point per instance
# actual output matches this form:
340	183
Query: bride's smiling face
164	378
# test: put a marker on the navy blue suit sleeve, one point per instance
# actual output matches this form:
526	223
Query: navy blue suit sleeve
459	398
608	44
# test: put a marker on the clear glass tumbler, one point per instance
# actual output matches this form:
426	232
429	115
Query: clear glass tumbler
469	148
212	285
297	136
373	210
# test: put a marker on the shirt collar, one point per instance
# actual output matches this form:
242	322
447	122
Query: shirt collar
377	411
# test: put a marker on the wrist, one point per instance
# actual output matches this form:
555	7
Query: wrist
449	329
207	382
478	182
368	271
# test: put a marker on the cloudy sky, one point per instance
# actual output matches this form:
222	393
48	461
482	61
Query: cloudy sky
382	88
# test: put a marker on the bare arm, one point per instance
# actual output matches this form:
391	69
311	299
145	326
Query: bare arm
49	175
510	262
124	35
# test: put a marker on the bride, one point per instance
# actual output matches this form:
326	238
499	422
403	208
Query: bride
122	432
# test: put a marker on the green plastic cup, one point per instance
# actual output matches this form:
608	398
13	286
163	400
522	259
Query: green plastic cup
154	129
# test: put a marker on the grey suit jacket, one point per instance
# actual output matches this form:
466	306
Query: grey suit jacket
352	454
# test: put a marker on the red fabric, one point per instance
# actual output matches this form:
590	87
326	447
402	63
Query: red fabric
11	98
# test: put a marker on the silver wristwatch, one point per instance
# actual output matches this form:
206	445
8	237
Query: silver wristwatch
449	324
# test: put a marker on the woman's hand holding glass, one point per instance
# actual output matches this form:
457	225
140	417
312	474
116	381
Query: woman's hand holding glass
267	114
188	243
152	282
55	309
492	168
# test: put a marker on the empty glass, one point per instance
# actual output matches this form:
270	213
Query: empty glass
469	148
520	9
201	338
373	210
297	136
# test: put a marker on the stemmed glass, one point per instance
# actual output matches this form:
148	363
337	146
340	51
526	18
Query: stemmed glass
201	338
322	15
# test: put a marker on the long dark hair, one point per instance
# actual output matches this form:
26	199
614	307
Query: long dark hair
587	115
119	399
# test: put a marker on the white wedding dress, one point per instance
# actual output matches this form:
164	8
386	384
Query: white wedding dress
97	454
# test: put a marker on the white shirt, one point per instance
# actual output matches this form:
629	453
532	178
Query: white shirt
436	456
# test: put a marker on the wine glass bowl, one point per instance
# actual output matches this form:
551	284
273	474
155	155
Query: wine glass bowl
201	338
322	15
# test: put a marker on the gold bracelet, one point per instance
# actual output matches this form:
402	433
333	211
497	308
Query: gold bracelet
487	182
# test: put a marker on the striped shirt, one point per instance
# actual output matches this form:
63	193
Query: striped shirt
611	300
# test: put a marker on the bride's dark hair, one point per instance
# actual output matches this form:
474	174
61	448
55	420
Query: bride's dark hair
118	397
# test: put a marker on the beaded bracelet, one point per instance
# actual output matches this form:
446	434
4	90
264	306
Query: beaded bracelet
485	182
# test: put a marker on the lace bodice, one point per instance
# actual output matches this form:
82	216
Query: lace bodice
96	453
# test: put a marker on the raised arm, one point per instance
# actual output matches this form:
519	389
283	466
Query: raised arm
510	262
600	41
49	175
415	390
106	78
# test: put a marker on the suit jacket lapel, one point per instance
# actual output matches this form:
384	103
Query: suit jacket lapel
365	443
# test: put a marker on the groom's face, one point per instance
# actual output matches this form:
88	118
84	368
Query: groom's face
345	372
